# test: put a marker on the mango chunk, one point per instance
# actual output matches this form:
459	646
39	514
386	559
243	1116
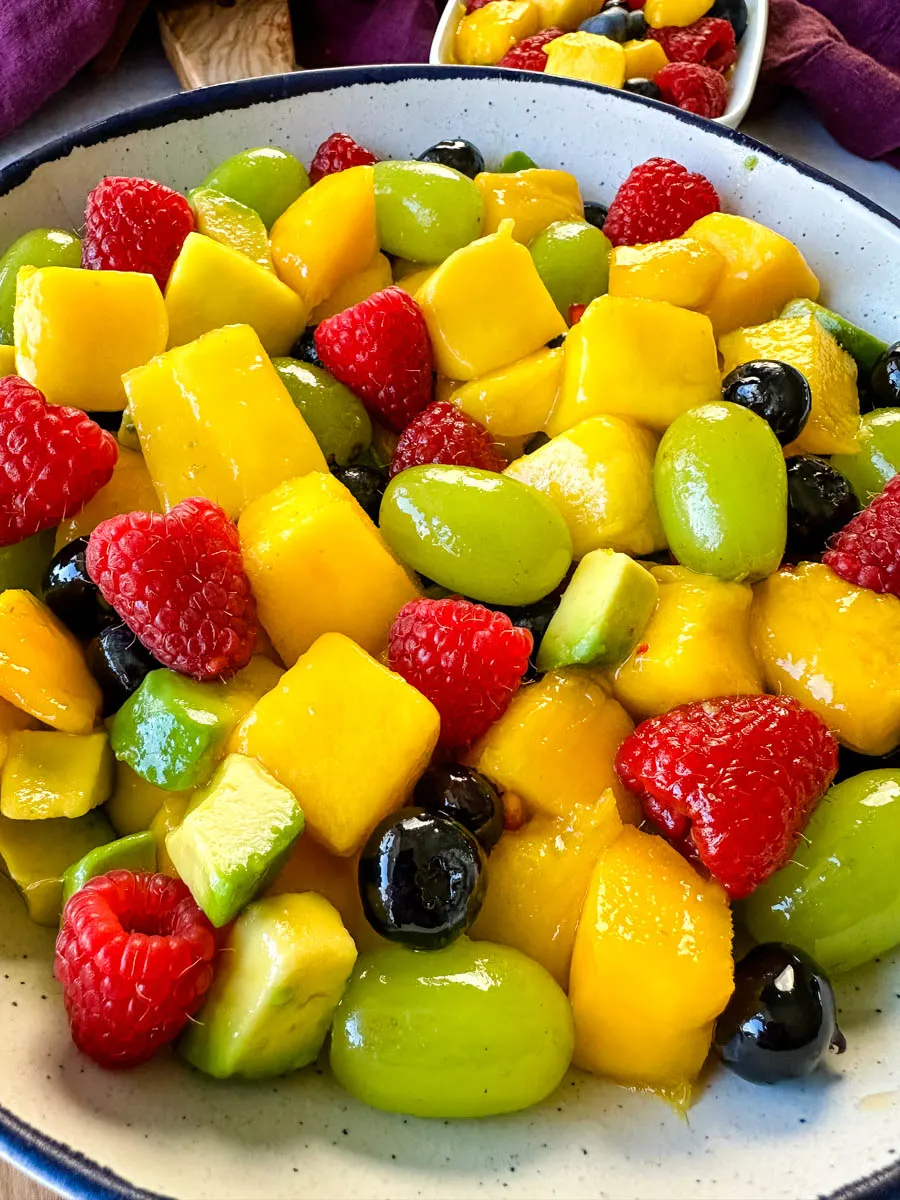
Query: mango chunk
327	235
533	199
486	307
643	359
483	37
130	490
215	420
762	271
346	735
565	14
42	667
599	474
212	285
134	802
12	720
651	968
644	59
226	220
37	854
374	277
311	868
166	821
309	537
415	280
682	271
50	774
659	13
587	56
833	424
7	360
517	400
696	646
77	332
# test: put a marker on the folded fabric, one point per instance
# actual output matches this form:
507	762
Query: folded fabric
855	94
345	33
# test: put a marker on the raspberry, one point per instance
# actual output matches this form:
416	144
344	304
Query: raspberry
709	41
52	460
694	88
177	580
659	200
867	550
380	350
467	659
134	957
135	225
731	782
576	312
444	434
474	5
337	153
529	54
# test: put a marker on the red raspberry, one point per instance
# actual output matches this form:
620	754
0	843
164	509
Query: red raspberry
380	349
177	580
52	460
867	550
659	200
337	153
135	225
467	659
134	957
444	434
731	782
694	88
474	5
576	312
529	55
709	41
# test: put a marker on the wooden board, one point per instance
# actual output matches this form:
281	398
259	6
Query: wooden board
214	41
14	1186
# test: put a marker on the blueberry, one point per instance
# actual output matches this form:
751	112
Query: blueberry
464	795
595	213
775	391
851	762
421	879
637	27
119	662
820	502
457	153
781	1019
611	23
616	4
886	378
535	618
366	485
734	11
71	594
111	421
305	348
642	87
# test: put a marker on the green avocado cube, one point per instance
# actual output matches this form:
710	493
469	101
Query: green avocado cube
865	347
137	852
235	838
23	564
273	999
51	774
36	854
602	613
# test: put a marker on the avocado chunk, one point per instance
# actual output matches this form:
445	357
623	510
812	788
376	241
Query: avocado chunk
23	564
235	837
168	818
51	774
36	854
865	347
271	1004
134	802
603	612
137	852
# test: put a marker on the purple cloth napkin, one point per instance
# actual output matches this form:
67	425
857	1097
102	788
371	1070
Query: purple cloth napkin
346	33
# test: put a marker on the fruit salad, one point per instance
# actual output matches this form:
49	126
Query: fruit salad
441	617
677	51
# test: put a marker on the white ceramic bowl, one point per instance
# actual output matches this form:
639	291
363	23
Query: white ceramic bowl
172	1132
741	82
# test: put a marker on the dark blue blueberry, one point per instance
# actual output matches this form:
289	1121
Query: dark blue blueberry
305	348
637	27
642	87
71	594
595	214
464	795
611	23
366	485
457	153
886	378
119	662
734	11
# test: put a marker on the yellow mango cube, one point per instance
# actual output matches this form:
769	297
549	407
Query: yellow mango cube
539	877
517	400
309	537
643	359
7	360
833	647
311	868
533	199
556	743
168	818
212	285
77	332
599	474
660	13
696	646
484	36
681	271
13	720
565	14
215	420
327	235
587	56
652	966
833	425
486	306
346	735
130	490
644	59
414	280
374	277
135	801
42	667
762	271
50	774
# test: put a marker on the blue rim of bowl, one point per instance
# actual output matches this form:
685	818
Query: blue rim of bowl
51	1162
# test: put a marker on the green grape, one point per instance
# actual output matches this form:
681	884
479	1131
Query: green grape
721	489
516	160
37	248
425	211
468	1031
23	564
338	420
482	534
838	899
878	459
572	259
266	179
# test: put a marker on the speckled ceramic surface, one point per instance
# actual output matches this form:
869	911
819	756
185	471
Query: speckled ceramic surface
174	1133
